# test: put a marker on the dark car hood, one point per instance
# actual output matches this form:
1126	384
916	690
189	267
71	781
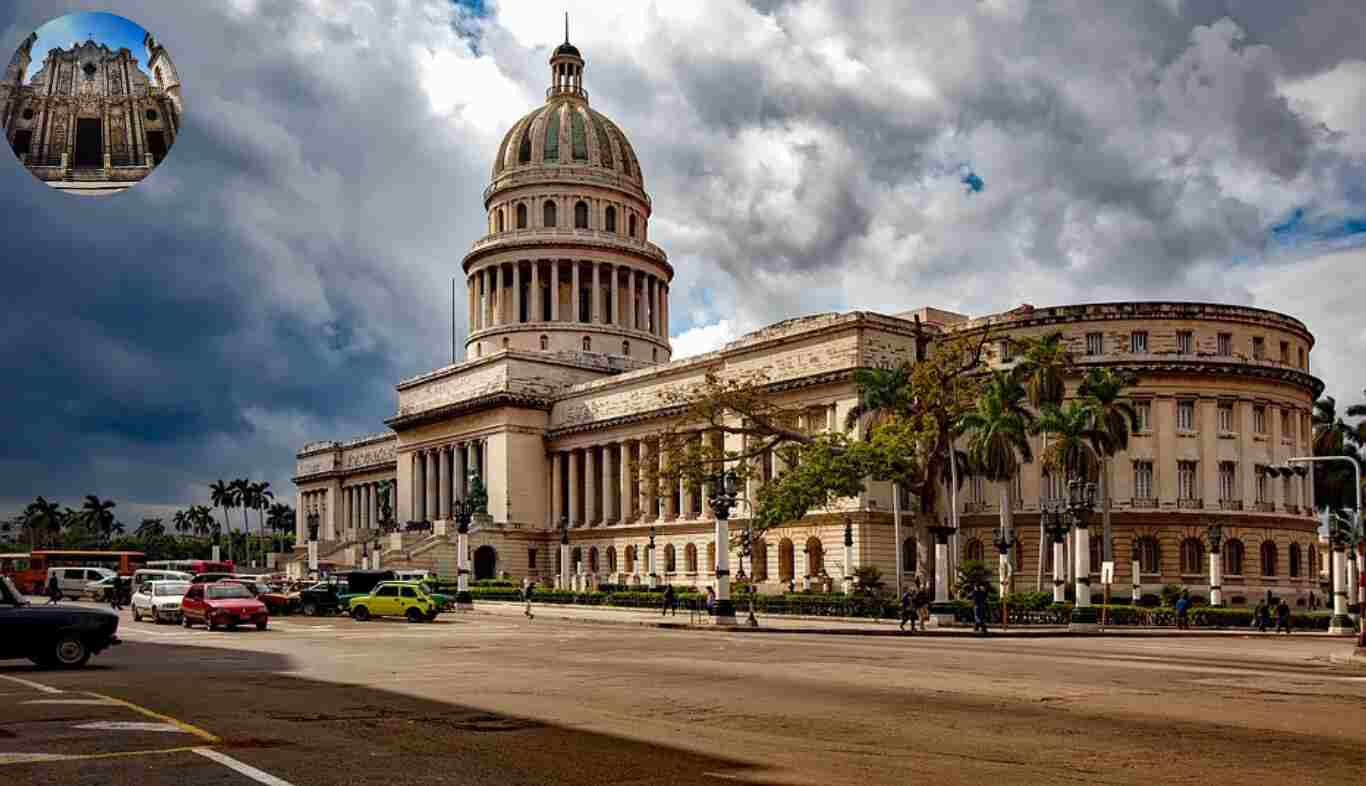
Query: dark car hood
71	612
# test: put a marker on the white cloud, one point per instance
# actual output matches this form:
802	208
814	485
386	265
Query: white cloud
704	338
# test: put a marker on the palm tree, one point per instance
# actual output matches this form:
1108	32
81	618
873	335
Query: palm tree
263	496
1100	393
1072	451
223	495
1334	437
280	519
242	491
150	528
42	516
1043	368
998	437
881	392
180	522
1358	434
99	517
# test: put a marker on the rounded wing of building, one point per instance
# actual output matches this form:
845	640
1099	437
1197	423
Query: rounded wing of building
566	266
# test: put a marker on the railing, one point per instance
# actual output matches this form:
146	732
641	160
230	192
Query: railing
1230	504
563	234
1266	507
1190	504
1143	502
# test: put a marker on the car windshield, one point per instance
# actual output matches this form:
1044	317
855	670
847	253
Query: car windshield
177	588
225	591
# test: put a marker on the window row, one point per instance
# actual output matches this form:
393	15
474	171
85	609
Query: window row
582	218
1186	345
1147	550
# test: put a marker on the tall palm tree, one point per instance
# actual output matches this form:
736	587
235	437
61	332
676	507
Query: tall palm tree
98	515
1043	368
881	396
1333	437
150	528
44	517
1101	393
998	436
223	495
1072	451
262	495
243	498
180	522
280	520
1358	434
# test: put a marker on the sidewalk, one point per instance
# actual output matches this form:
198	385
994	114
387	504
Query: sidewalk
827	626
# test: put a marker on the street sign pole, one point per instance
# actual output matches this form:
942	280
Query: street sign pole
1107	577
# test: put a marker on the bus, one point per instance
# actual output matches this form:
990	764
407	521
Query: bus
193	567
29	571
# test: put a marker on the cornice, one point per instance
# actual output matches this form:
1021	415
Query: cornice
552	244
1220	368
490	401
1154	310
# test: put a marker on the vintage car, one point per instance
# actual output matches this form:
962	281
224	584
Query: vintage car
159	600
323	597
395	599
360	582
56	636
206	578
222	603
281	601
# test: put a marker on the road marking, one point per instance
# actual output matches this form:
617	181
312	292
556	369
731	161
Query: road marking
30	684
259	776
132	726
195	730
66	701
30	758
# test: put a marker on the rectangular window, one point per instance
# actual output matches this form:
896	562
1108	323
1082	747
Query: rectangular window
1285	353
1258	348
1287	425
1095	343
1007	351
1228	481
1185	342
1225	418
1262	486
1185	416
1259	420
1138	341
531	559
1185	479
1225	344
1143	479
1145	415
1302	365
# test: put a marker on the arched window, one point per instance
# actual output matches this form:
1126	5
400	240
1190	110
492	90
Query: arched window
1294	560
711	557
1048	558
1312	555
626	348
545	342
593	559
908	555
499	219
521	216
1149	555
505	342
152	115
630	557
548	214
28	113
1268	558
759	561
631	225
973	550
587	344
1192	556
576	559
610	219
654	353
611	559
581	215
690	558
1233	557
670	563
815	556
786	560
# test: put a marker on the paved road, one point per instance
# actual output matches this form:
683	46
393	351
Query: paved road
490	697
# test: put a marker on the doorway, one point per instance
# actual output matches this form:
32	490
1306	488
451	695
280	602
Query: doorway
89	143
22	139
156	145
485	562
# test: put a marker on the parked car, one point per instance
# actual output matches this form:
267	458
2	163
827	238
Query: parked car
144	575
73	582
323	597
395	599
55	636
224	603
276	602
206	578
102	590
360	582
159	600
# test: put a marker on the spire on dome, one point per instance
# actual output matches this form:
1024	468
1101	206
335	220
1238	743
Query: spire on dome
566	68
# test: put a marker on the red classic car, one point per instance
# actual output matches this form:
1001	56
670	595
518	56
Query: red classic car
224	603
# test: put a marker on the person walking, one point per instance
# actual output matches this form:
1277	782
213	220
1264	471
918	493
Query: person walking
670	601
1183	604
907	609
528	586
921	600
1260	616
979	609
1283	617
54	590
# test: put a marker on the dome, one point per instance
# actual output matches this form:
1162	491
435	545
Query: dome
567	49
566	132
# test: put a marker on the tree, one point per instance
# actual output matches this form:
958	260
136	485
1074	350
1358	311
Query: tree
1334	437
280	520
150	528
1101	393
242	490
97	515
998	430
1073	450
880	390
44	520
1043	368
223	495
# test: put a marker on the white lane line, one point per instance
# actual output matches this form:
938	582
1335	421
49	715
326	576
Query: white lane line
131	726
70	701
30	684
259	776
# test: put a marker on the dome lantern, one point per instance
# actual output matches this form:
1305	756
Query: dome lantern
566	69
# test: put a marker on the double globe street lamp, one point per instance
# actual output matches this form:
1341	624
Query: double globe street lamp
1081	501
464	511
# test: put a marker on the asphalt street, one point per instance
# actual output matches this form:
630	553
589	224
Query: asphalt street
490	697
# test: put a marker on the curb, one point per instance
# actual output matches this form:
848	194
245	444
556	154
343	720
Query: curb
1354	659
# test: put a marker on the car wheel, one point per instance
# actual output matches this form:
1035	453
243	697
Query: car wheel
414	615
360	614
136	617
70	652
261	625
184	619
310	609
209	624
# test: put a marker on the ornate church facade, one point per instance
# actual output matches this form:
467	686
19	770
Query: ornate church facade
90	121
566	388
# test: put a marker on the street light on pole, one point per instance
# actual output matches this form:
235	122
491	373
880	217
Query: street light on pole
1341	622
723	498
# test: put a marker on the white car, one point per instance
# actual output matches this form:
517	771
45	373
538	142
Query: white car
159	600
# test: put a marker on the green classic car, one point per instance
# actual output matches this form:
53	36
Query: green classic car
396	599
443	601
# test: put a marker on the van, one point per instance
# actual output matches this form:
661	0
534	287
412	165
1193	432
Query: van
73	582
145	575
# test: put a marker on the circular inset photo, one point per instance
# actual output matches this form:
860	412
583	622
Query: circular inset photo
91	103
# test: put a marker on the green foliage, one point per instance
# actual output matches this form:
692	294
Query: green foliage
1170	594
1031	601
970	572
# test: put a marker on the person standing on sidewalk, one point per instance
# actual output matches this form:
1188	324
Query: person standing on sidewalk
979	609
1182	612
908	609
1283	617
670	601
1259	616
528	586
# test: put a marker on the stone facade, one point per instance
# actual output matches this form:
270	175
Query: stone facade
90	120
558	432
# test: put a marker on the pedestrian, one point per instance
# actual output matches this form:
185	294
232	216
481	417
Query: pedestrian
711	600
670	601
54	590
921	600
1260	616
908	609
1283	617
528	586
1183	604
979	609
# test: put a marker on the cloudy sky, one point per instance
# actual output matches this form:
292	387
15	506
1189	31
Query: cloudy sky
291	260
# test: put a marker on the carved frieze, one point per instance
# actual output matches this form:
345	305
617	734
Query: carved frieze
364	457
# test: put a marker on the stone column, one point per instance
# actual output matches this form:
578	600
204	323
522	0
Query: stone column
346	507
659	307
940	614
607	485
1216	578
554	290
431	481
566	582
725	610
419	486
590	486
643	491
482	294
597	293
624	505
632	316
471	313
1083	614
573	512
372	497
537	307
574	298
663	309
472	463
1059	567
516	293
666	504
443	491
556	490
1341	624
460	469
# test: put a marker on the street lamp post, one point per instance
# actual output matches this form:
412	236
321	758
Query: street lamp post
564	553
464	511
313	524
650	560
1054	512
1000	538
1341	623
723	497
1081	501
1214	538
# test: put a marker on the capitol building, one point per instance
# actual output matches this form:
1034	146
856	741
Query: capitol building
565	390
